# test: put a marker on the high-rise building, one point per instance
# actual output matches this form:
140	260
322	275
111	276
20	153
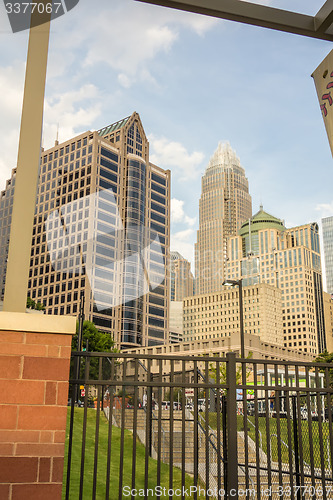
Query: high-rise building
327	224
265	251
6	206
328	314
225	203
216	315
102	231
181	277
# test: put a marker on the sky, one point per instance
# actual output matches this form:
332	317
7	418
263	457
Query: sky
195	81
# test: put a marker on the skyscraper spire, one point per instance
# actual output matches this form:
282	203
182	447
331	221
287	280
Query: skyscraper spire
225	203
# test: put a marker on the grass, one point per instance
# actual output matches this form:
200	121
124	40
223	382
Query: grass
311	448
115	461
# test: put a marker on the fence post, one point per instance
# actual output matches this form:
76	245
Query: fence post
232	451
297	464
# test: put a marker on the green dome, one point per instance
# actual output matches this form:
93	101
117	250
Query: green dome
261	220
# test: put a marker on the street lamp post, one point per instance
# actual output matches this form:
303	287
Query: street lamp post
239	283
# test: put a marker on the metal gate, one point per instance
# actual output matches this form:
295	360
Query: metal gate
197	427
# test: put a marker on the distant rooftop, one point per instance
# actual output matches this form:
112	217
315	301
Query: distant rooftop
176	255
115	126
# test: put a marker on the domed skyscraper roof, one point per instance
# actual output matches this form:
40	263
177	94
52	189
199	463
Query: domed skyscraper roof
261	220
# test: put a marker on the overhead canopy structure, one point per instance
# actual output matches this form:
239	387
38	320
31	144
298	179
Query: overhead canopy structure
318	26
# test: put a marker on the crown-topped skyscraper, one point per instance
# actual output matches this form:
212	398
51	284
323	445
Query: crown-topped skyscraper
225	203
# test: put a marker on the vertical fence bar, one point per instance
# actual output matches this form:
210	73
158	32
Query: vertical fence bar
299	426
100	392
267	422
320	431
245	425
183	425
135	424
70	439
148	426
297	460
290	441
122	431
218	427
196	434
172	370
329	415
225	444
207	471
277	406
159	426
108	460
256	429
309	411
84	433
232	457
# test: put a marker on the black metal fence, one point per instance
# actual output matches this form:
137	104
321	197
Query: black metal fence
198	427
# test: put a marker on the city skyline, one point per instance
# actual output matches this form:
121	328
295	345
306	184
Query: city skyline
258	95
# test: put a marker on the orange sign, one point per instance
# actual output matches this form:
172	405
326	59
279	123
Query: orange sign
323	78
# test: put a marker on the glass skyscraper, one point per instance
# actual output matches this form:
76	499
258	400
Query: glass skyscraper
327	224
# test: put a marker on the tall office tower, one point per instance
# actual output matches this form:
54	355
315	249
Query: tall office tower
181	277
6	206
327	224
267	252
224	204
101	231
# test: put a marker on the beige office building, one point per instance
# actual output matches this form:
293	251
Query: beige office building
267	252
216	315
102	231
328	314
181	277
224	204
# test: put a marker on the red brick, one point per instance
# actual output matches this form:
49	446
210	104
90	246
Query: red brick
22	349
42	418
50	393
36	492
49	339
21	392
9	436
18	470
44	470
39	449
59	436
65	352
10	366
15	337
62	393
57	469
46	437
6	449
45	369
8	416
4	491
53	351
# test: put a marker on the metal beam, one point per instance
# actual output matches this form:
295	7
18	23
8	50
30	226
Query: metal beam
324	17
259	15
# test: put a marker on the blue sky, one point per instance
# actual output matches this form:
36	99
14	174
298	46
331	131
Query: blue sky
195	81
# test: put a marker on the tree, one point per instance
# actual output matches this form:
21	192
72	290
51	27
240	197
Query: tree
31	304
223	372
327	358
97	342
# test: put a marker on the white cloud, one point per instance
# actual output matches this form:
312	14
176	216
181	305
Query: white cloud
178	215
73	111
183	242
325	209
173	155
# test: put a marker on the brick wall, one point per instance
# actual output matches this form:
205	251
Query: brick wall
34	369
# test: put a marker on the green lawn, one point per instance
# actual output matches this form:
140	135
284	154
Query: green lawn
115	461
306	443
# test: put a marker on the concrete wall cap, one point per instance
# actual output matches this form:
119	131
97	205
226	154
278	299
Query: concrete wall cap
37	323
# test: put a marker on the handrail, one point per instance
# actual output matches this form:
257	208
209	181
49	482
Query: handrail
285	444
